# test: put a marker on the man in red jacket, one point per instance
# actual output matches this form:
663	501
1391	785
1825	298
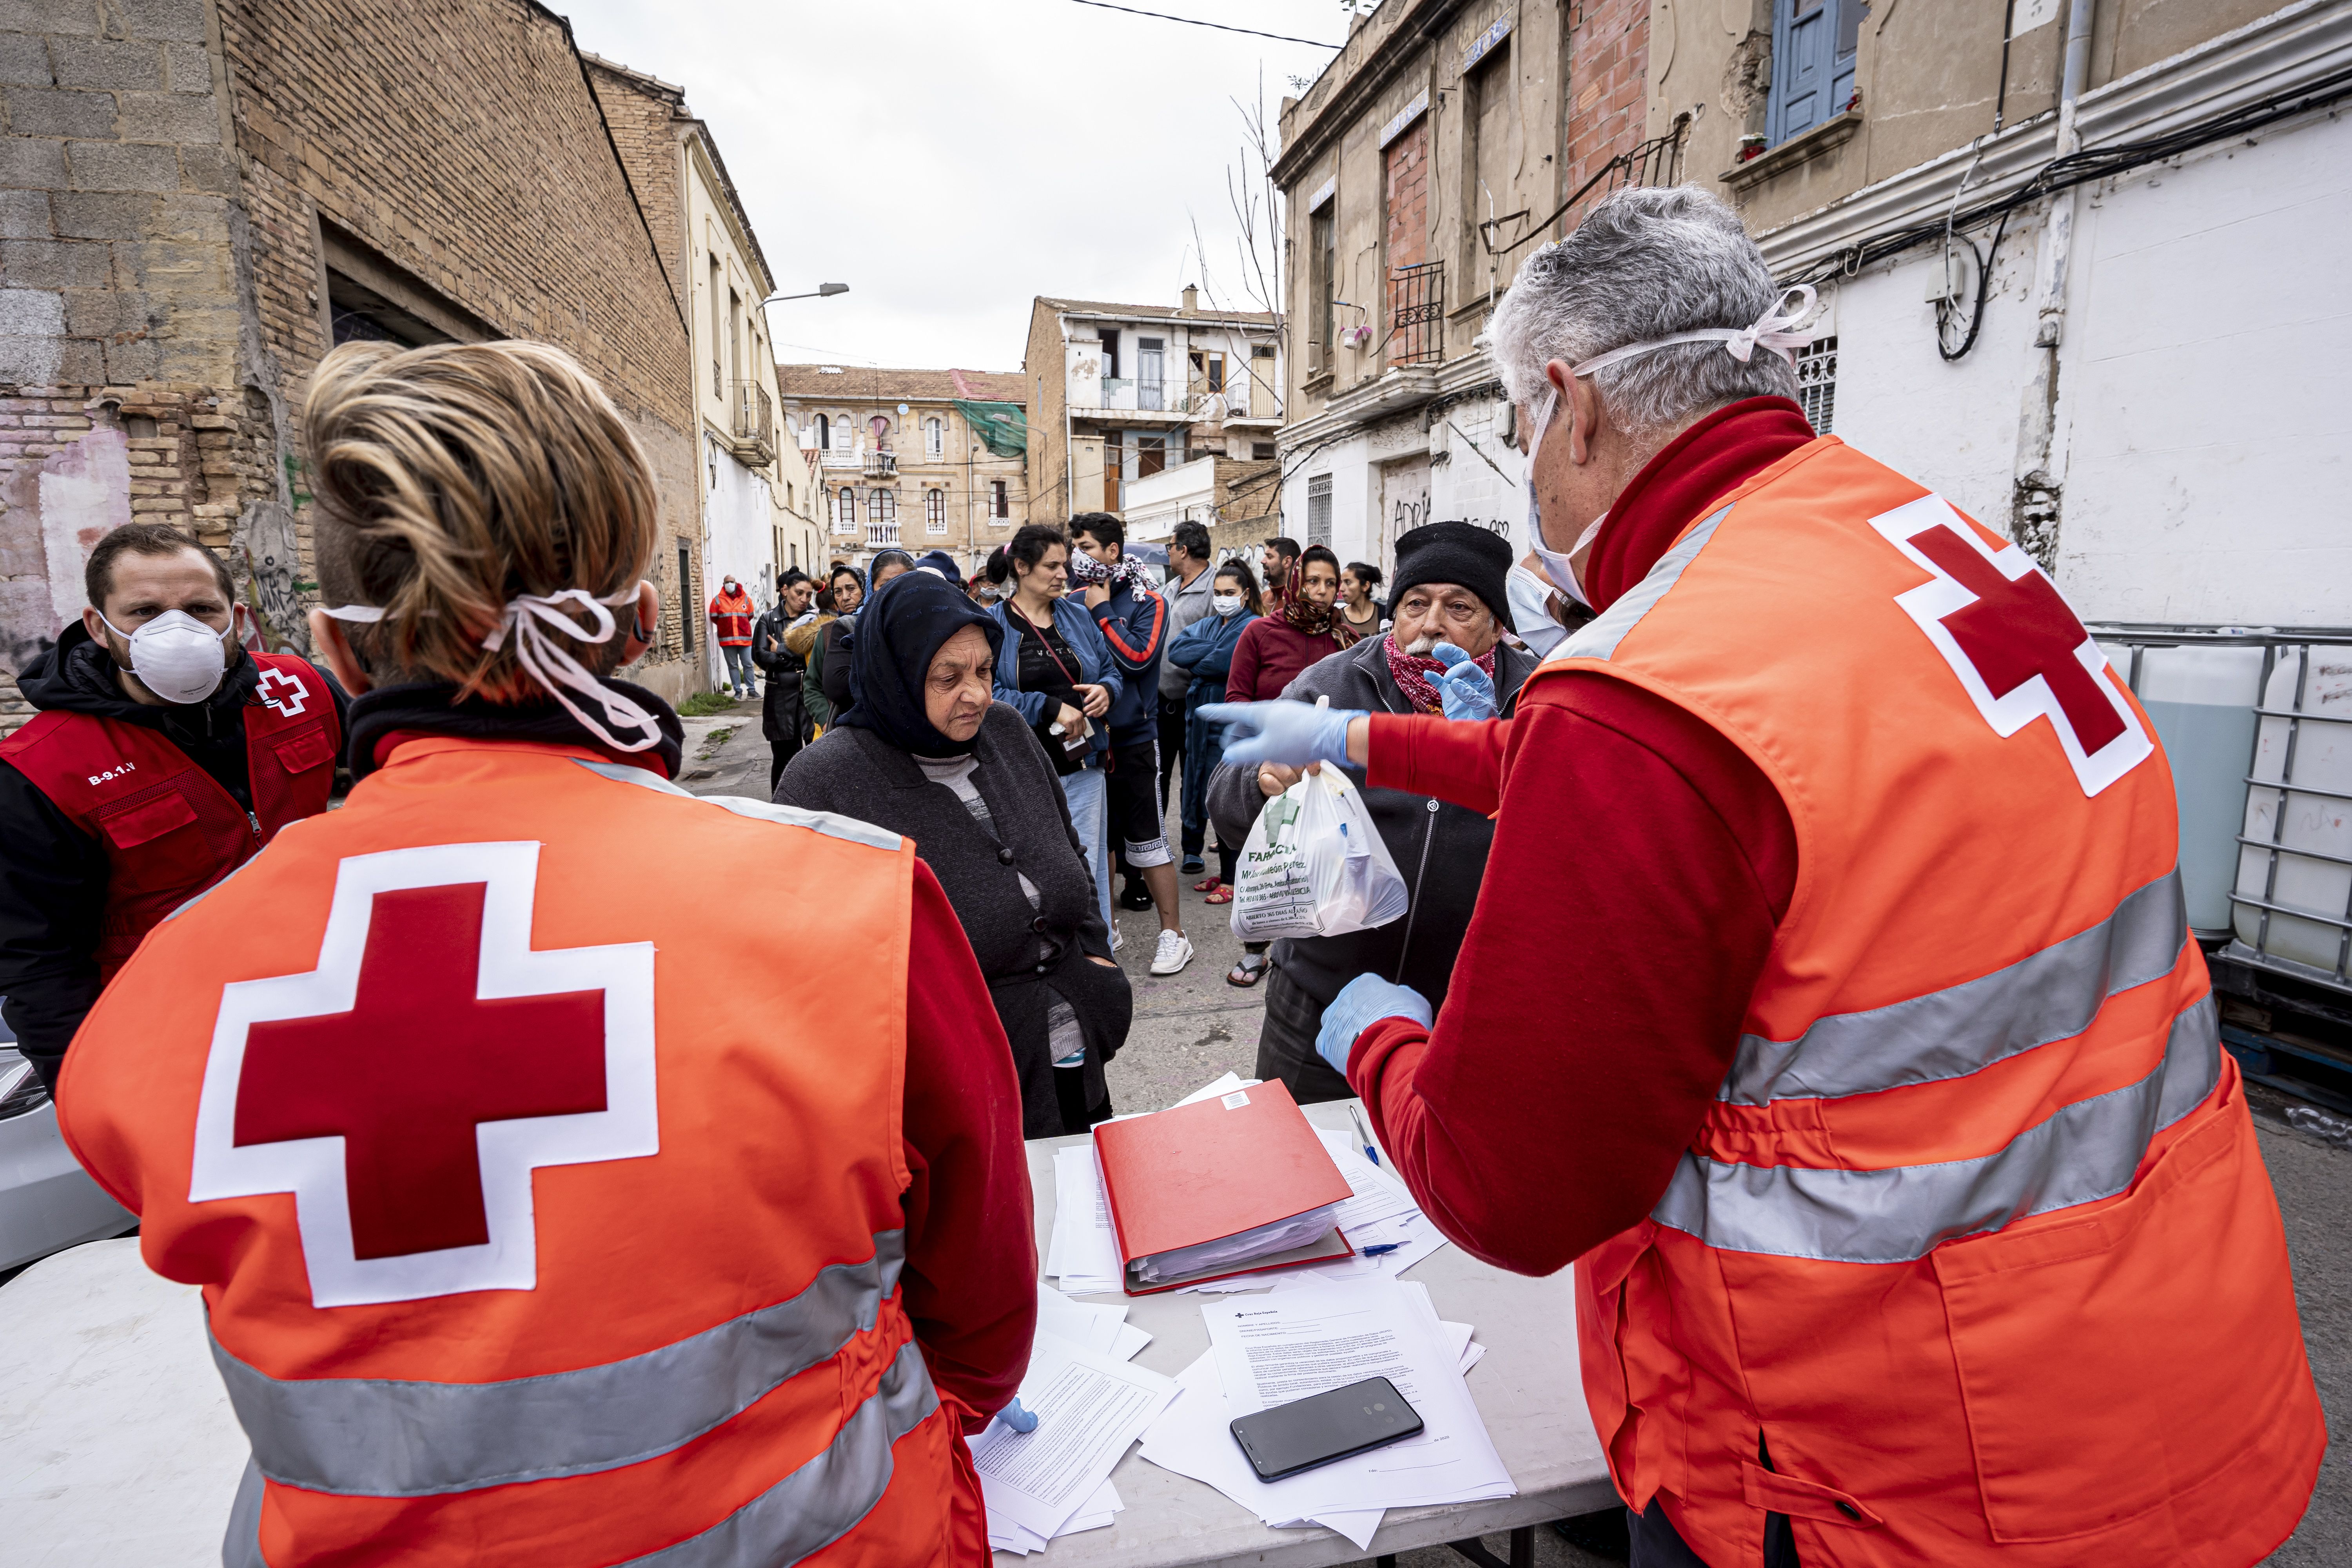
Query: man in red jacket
162	757
731	613
1829	998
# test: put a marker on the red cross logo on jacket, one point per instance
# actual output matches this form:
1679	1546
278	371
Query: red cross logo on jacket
2017	649
406	1090
282	691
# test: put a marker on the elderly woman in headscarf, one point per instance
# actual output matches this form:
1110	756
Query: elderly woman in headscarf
924	750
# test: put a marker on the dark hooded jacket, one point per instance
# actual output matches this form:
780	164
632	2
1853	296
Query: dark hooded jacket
865	767
53	875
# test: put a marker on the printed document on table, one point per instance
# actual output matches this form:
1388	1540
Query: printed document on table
1099	1511
1084	1253
1284	1346
1089	1407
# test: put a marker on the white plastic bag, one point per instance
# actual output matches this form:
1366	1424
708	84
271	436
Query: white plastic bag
1314	865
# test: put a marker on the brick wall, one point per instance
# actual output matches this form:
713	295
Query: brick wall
1608	72
123	390
460	140
166	170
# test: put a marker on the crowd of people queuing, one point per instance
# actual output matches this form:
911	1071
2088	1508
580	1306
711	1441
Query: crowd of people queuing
754	1246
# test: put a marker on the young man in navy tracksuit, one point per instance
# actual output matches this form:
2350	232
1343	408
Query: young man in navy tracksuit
1135	622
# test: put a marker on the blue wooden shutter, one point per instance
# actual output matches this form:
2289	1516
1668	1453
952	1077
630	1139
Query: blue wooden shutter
1812	64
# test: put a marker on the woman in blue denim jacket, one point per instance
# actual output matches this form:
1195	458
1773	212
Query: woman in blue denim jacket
1057	672
1206	650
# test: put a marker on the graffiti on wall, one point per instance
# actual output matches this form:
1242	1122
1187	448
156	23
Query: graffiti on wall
55	514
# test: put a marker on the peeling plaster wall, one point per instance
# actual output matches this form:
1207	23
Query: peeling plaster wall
122	387
2204	392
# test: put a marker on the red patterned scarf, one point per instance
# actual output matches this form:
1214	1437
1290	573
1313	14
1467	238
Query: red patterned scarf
1415	675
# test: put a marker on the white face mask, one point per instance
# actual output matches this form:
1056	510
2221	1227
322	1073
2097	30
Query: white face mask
1557	565
1777	330
1530	597
1225	604
176	656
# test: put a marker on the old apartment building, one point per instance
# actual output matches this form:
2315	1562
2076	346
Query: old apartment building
2038	369
1118	393
201	197
916	459
754	519
1445	142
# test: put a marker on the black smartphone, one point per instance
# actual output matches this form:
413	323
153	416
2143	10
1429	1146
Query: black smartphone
1322	1428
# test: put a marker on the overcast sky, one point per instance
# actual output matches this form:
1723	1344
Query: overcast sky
951	161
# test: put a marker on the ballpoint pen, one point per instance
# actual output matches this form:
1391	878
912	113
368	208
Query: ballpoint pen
1365	1134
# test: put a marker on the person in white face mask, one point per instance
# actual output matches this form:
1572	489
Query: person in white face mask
1797	991
162	756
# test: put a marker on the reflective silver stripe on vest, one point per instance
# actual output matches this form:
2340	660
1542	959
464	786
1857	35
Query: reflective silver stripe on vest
381	1437
806	1511
826	822
822	1500
2086	1151
2052	996
241	1545
1599	638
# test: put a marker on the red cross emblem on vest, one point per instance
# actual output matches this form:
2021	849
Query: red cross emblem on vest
407	1089
281	691
2020	651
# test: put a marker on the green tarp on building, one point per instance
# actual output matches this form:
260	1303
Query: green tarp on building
1003	426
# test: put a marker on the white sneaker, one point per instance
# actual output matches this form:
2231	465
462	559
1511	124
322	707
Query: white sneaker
1175	952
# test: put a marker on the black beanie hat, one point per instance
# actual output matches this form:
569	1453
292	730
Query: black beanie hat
1462	554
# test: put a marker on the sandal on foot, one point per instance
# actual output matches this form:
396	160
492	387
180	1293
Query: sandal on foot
1248	971
1207	885
1220	894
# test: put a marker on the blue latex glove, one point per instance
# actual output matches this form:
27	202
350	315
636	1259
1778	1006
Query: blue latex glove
1016	1417
1361	1003
1290	734
1466	690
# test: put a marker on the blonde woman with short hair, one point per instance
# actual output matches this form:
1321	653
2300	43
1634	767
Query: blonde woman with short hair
504	1153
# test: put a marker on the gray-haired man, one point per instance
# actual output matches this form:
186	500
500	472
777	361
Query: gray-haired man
1827	998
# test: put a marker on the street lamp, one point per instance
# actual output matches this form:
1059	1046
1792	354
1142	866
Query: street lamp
822	290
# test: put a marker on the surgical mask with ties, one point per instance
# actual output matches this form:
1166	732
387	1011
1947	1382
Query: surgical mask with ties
1225	604
1780	330
176	656
1556	565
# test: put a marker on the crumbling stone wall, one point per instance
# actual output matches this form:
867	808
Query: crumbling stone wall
164	175
461	142
122	392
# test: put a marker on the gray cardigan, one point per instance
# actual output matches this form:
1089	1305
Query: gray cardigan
1027	955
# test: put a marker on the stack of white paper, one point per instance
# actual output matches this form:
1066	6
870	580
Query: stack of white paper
1273	1348
1381	1214
1084	1251
1089	1405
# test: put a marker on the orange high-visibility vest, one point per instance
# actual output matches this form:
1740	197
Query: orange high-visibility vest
1975	1258
730	618
537	1222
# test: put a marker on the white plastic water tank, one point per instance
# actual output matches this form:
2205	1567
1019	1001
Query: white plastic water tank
2300	818
2201	701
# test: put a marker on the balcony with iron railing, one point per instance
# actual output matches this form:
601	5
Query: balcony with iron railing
881	465
882	535
753	423
1128	395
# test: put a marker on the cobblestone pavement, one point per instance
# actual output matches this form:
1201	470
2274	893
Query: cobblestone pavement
1191	1026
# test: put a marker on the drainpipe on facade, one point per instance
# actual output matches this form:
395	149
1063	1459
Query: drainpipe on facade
2036	483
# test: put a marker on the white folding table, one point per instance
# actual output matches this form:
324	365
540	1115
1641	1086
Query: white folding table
1526	1385
117	1443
